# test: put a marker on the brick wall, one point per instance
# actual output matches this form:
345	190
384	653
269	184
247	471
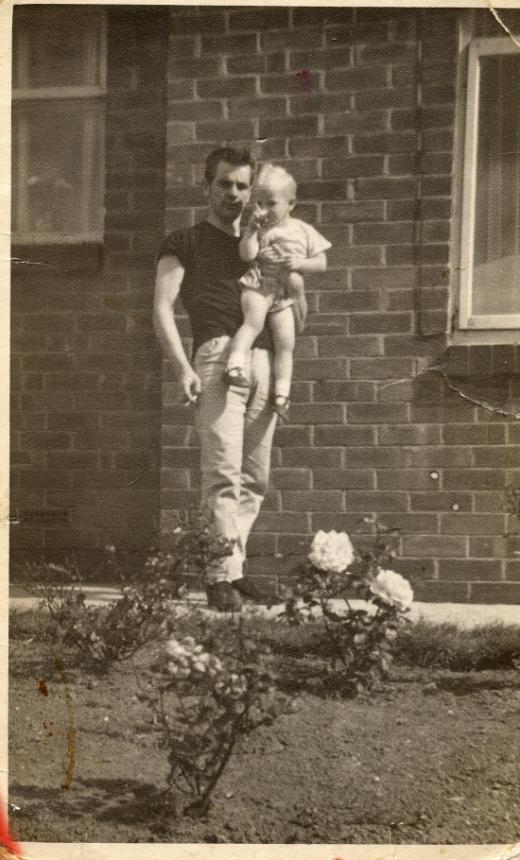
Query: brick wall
86	368
360	105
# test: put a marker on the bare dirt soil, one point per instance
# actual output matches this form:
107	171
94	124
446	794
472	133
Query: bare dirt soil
432	757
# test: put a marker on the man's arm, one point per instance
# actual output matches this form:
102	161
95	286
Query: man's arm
170	273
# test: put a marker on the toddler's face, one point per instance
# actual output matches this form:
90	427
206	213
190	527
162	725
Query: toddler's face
275	202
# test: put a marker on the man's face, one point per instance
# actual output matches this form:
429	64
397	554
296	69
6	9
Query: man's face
229	191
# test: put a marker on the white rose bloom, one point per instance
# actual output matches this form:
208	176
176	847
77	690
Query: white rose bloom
174	648
393	588
331	551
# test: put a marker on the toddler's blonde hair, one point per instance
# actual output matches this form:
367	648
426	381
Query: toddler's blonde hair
275	175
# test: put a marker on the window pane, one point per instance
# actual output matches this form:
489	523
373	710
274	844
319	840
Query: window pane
496	274
56	47
58	170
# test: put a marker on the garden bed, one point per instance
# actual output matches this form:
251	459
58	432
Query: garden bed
430	757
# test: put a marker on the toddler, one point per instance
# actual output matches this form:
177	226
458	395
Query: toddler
281	249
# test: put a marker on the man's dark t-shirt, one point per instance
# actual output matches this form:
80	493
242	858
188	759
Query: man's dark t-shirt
210	291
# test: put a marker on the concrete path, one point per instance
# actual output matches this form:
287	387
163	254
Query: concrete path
462	614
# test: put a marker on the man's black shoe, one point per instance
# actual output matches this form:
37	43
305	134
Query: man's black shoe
249	591
222	597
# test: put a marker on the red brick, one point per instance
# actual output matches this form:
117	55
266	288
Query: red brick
46	440
504	592
380	323
261	107
268	18
439	457
391	188
353	167
318	103
353	211
503	457
201	110
512	570
356	78
470	569
276	63
384	234
344	391
489	502
348	479
291	127
225	88
374	501
355	121
472	524
343	435
451	592
381	368
254	64
184	19
288	84
488	547
377	413
435	546
283	522
322	190
374	457
418	347
291	478
412	523
314	413
198	67
311	457
343	345
407	479
292	436
313	500
474	479
318	147
320	368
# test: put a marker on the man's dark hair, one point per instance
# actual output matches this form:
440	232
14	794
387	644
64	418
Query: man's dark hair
236	157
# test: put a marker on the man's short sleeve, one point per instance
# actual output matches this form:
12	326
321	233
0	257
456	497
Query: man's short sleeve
176	244
316	243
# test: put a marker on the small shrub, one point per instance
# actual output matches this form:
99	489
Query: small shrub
360	641
146	610
205	696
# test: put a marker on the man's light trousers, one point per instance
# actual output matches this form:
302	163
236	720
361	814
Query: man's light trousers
235	427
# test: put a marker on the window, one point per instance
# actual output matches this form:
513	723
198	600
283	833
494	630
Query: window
490	237
59	85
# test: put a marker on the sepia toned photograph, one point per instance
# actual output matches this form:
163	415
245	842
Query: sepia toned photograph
264	563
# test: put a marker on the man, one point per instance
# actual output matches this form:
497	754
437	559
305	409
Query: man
235	425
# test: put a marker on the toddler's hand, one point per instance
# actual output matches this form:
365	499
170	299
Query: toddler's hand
269	255
258	218
292	262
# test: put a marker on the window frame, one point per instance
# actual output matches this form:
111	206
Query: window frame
96	95
468	321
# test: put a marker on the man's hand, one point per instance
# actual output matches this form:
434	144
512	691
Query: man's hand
191	385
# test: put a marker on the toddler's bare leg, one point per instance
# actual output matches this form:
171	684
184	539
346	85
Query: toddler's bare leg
254	308
294	288
282	329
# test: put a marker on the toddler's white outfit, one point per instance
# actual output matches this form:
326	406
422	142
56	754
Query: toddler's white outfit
293	237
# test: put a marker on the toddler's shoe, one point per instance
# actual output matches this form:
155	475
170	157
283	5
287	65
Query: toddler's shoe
281	405
236	376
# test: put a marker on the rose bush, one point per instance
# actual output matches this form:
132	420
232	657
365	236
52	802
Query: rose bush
206	694
359	641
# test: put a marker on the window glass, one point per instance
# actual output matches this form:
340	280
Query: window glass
60	49
496	262
57	169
